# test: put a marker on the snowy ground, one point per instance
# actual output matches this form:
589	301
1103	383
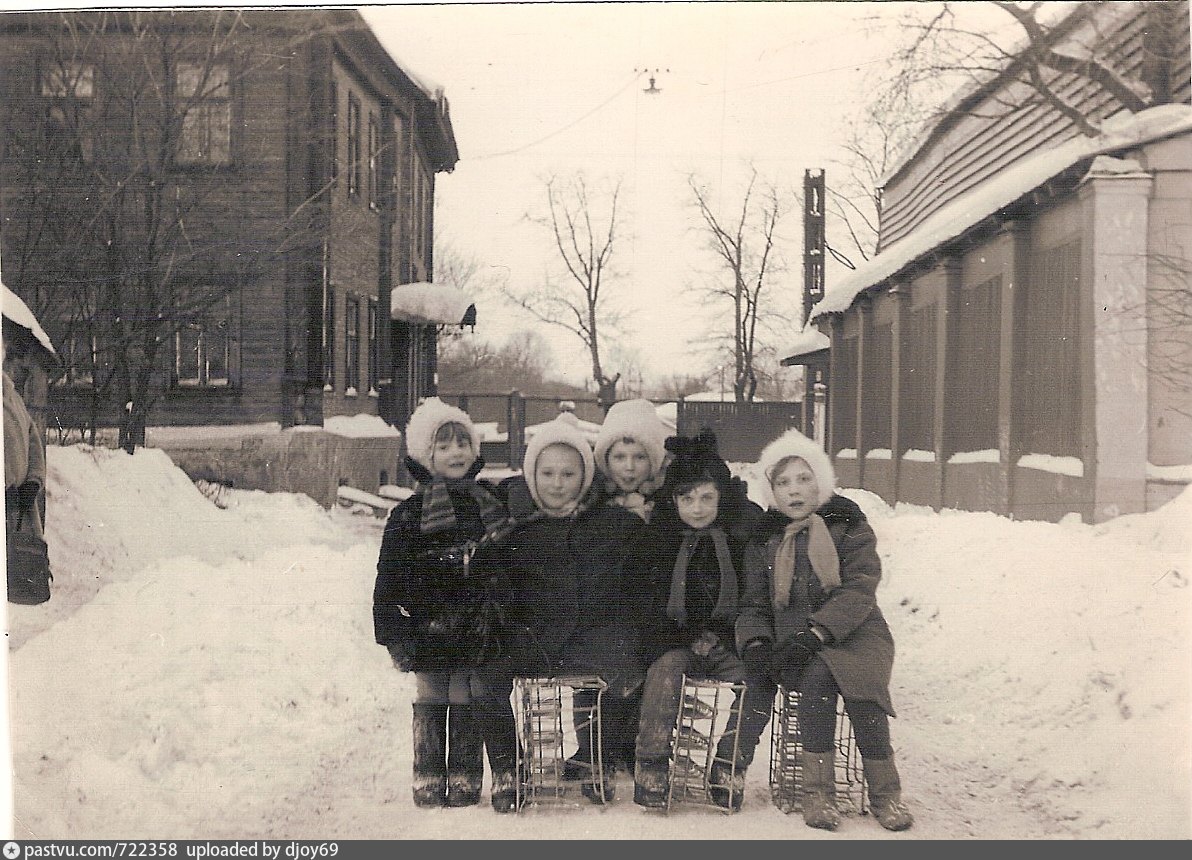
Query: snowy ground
209	672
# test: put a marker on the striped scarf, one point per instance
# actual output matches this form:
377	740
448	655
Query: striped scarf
726	601
438	514
821	552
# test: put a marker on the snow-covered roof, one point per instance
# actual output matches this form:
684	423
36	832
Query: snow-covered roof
1049	14
16	310
360	426
380	30
807	341
424	302
1120	132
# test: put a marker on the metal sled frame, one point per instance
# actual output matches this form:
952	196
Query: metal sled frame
707	709
538	704
786	758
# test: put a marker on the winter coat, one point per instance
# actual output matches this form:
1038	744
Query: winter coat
24	455
861	654
653	562
442	615
570	599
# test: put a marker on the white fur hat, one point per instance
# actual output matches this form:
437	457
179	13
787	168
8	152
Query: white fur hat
564	430
792	443
430	415
636	420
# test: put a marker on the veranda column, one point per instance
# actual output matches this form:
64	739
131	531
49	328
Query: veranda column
1014	286
1114	199
901	294
945	372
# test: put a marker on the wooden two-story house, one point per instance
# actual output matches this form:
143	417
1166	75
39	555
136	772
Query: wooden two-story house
208	210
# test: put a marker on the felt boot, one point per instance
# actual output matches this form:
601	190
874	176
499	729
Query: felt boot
430	754
885	794
819	791
465	757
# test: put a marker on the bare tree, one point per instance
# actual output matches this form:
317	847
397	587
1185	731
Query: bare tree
121	158
744	244
583	224
1046	48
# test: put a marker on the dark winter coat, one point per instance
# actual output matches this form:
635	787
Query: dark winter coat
653	563
861	654
570	596
442	615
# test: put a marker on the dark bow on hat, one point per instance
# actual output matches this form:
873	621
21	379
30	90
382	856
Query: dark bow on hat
703	445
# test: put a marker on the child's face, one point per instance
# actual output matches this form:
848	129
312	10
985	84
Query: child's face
699	505
628	465
451	456
796	492
558	476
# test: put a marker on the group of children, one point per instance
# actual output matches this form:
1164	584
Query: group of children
637	560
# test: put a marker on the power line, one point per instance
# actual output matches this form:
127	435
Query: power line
633	78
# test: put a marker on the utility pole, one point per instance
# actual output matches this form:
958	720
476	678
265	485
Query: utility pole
814	247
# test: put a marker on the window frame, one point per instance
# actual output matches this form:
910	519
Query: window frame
77	143
374	344
351	344
353	153
204	322
374	159
201	107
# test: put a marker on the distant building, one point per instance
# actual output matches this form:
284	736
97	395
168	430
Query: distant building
1019	343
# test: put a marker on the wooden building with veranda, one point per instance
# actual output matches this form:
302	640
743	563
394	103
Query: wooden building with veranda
1020	342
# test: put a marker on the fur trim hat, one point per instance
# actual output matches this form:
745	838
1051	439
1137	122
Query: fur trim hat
792	443
564	430
636	420
430	415
695	460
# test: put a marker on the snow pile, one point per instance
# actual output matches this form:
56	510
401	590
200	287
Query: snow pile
359	426
424	302
218	677
14	307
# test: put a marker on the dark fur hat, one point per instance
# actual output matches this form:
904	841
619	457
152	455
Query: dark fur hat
695	461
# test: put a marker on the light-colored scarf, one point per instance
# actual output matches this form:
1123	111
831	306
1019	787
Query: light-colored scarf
821	551
726	601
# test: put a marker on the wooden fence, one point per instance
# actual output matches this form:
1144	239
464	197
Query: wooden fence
742	429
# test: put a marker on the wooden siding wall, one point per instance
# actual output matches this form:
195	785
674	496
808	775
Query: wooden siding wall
917	400
844	394
976	363
875	414
976	148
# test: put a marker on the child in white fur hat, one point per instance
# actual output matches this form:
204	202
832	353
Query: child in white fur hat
809	611
440	571
631	451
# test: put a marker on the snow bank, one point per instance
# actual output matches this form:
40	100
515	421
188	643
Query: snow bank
212	674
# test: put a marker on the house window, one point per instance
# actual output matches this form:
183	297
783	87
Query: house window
374	345
69	91
205	109
328	338
353	146
79	353
352	344
203	348
374	158
333	154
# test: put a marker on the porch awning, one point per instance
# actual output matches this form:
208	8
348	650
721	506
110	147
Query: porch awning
16	311
424	303
810	345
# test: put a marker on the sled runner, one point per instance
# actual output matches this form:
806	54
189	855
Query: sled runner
786	754
545	735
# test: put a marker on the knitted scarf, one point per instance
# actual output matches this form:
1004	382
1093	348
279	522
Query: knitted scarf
438	514
726	601
636	502
821	552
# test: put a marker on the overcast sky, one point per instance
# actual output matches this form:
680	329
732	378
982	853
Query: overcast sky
551	89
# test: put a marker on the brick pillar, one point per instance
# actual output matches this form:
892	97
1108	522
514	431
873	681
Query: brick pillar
865	312
1114	201
901	294
945	353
